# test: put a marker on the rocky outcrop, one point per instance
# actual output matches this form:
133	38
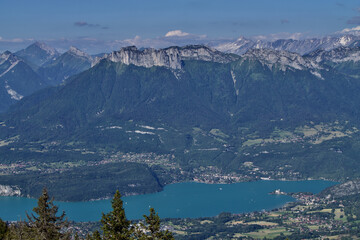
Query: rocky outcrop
342	190
171	57
9	191
338	55
283	59
78	53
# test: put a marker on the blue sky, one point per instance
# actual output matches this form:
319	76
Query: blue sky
146	22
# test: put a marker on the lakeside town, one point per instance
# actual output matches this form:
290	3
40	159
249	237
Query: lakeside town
309	217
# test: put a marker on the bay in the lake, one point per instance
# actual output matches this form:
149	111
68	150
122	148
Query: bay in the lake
180	200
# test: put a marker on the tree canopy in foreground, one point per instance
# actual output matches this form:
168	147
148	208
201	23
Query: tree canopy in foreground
44	224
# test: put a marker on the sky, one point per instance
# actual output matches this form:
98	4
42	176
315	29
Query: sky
96	25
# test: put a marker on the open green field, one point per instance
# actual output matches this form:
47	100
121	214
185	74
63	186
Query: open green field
268	233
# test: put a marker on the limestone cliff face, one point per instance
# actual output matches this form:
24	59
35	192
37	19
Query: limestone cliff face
9	191
169	57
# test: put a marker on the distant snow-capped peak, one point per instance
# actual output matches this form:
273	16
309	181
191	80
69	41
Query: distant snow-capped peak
240	46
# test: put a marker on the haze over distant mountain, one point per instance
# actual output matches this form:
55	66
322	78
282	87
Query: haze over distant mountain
242	45
68	64
17	79
36	67
38	53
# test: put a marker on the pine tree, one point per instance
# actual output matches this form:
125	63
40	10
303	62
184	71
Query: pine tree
96	236
45	224
115	225
153	226
19	231
3	229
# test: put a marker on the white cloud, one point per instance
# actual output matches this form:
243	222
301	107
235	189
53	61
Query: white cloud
13	40
277	36
348	30
17	40
176	33
132	41
172	38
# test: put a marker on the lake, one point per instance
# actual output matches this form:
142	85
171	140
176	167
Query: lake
180	200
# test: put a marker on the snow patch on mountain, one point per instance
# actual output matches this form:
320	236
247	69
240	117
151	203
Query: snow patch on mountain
13	94
11	67
234	81
8	56
4	57
317	74
344	40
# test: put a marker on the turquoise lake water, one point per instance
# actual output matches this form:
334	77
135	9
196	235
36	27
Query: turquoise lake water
180	200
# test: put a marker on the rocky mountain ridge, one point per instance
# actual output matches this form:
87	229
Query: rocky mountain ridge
8	56
168	57
59	69
38	53
283	59
337	55
17	79
77	52
304	46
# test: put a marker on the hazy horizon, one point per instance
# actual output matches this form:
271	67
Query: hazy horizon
95	26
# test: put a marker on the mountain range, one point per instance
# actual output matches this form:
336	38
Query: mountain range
304	46
66	65
54	68
36	67
185	113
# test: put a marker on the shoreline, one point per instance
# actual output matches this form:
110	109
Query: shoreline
167	203
193	181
